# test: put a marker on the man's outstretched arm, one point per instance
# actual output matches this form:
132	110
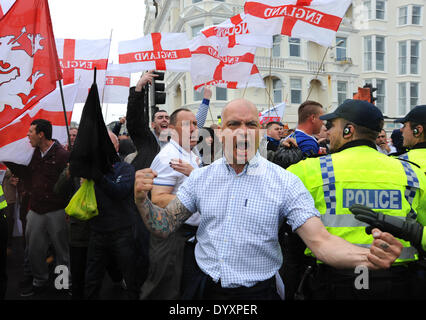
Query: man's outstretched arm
160	221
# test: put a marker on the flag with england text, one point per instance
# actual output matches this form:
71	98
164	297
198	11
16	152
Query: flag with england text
233	70
235	31
79	58
159	51
313	20
117	84
275	113
14	143
29	66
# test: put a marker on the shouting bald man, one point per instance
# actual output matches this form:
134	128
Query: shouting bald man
242	199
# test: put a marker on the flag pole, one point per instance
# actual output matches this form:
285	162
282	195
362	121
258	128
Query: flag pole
65	113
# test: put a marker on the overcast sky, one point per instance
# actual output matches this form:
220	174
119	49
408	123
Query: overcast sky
94	19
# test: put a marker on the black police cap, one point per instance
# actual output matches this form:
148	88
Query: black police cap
360	112
417	114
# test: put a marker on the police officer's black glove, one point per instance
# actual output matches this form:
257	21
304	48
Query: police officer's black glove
405	229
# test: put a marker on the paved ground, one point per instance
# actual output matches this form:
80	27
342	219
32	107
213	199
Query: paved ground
15	272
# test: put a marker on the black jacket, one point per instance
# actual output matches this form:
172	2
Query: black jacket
114	196
138	121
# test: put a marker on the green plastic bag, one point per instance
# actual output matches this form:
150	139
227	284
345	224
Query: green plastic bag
83	204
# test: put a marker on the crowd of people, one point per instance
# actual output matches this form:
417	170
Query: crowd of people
192	212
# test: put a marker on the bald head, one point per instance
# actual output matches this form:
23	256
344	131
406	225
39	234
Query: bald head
240	106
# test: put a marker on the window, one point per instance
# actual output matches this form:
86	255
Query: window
195	1
196	29
294	45
221	93
408	57
414	57
374	53
368	54
380	94
403	16
276	45
341	49
342	91
380	9
411	14
416	15
296	91
277	88
376	9
367	5
408	96
380	53
402	98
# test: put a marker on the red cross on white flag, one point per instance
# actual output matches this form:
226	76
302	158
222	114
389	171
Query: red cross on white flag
117	84
159	51
233	31
14	143
78	59
232	70
314	20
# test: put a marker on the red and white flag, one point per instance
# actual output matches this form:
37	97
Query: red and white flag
275	113
78	59
159	51
117	84
314	20
14	143
29	66
235	31
233	70
5	6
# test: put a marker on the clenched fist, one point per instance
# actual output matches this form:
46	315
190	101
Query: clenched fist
144	181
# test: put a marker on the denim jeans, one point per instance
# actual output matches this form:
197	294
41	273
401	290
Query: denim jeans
120	246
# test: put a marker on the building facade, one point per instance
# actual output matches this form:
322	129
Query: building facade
378	42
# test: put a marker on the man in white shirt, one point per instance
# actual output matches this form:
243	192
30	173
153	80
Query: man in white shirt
167	255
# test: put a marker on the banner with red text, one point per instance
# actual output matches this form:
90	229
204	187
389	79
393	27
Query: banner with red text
78	59
159	51
313	20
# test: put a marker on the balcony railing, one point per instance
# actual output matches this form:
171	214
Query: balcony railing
282	63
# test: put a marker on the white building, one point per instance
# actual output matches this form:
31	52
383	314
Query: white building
379	42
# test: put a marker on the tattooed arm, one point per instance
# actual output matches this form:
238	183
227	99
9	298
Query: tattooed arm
160	221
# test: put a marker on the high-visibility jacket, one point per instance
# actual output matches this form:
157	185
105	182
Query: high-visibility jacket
3	203
418	156
362	175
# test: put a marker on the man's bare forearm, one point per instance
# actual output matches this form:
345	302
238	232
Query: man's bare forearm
163	221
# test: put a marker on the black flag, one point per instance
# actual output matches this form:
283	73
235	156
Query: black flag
93	153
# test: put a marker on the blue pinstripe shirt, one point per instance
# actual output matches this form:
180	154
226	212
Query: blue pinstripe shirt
240	217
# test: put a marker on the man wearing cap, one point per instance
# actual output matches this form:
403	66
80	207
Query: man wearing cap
356	173
414	136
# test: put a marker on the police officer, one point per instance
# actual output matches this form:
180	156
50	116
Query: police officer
414	136
356	172
3	244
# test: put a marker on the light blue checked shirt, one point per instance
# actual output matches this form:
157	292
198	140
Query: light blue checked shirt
240	217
